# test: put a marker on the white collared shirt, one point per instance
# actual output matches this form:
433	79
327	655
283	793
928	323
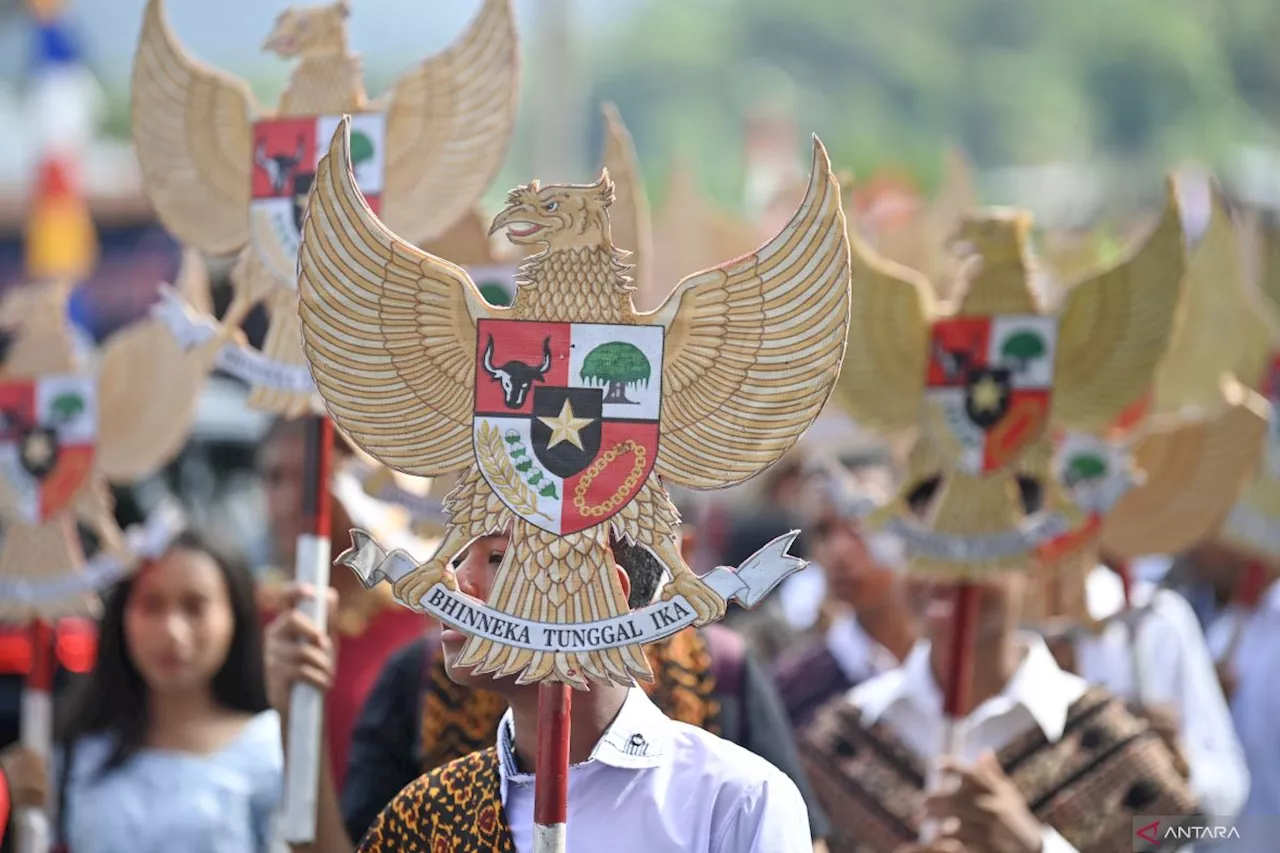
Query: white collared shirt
855	652
1255	707
908	700
1170	665
654	785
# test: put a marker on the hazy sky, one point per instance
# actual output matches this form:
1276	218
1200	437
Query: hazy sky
227	33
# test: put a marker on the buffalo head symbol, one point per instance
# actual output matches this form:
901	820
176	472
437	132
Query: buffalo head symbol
279	166
516	376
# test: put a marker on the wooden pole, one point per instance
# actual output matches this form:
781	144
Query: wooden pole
306	704
551	784
1135	657
1245	597
35	834
959	681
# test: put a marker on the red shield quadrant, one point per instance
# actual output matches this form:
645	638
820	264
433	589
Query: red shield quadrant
286	152
48	435
991	378
567	417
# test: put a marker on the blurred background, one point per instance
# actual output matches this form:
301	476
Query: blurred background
1073	109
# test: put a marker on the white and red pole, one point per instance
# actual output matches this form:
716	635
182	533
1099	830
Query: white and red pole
1125	573
306	704
551	782
959	683
35	834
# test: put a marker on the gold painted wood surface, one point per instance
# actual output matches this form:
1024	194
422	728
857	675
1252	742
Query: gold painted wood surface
1196	469
145	398
448	121
1111	333
752	350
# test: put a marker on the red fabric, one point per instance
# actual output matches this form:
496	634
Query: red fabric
360	660
76	647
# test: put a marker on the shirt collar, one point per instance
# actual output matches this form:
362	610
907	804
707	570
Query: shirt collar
855	652
1271	598
639	737
1039	686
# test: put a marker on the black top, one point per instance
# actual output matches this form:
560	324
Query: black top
386	741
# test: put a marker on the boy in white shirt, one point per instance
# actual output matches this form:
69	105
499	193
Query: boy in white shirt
638	781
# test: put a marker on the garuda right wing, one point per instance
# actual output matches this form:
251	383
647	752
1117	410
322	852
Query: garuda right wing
193	127
389	330
882	380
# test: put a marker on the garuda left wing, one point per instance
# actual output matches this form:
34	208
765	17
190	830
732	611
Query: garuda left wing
754	346
1114	329
448	123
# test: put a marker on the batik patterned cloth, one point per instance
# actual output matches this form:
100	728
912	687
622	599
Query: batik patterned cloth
458	720
456	808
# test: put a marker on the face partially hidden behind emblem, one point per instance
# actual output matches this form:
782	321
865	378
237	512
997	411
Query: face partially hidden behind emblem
562	411
983	384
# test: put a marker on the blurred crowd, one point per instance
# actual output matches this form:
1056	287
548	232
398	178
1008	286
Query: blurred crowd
1119	672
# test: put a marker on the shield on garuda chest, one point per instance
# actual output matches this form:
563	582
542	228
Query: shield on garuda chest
48	436
991	380
567	417
285	155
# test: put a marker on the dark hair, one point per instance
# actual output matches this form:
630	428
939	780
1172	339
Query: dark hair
641	567
112	699
295	428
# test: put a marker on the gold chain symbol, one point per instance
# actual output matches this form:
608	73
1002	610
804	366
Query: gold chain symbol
597	468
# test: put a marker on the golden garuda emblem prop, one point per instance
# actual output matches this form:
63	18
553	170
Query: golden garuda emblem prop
1165	488
65	432
565	409
1237	330
984	381
228	176
1199	432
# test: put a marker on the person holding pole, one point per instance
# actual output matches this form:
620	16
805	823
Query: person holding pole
368	624
1045	764
1140	642
982	382
417	718
551	410
676	786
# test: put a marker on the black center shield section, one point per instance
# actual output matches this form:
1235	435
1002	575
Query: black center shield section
566	459
301	191
982	412
38	448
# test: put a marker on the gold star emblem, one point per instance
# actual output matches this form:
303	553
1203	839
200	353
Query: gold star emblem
37	450
565	427
987	395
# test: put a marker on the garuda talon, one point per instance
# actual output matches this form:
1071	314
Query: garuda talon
554	406
229	176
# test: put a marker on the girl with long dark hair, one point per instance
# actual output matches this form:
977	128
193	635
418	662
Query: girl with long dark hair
169	744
